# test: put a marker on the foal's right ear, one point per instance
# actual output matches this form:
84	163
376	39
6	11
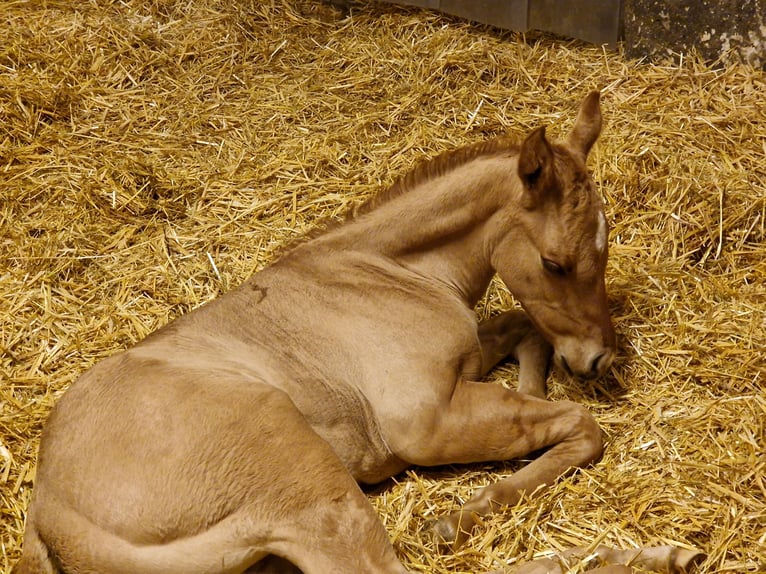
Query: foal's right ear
535	165
587	126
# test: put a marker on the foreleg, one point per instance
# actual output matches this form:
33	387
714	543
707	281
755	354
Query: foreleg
513	334
483	422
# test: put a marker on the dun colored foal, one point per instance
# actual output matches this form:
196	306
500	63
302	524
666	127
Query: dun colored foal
234	438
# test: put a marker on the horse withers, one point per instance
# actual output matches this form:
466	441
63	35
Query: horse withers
234	438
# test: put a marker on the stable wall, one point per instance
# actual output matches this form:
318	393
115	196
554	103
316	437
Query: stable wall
655	29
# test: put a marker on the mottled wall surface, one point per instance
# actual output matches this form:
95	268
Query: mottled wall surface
716	28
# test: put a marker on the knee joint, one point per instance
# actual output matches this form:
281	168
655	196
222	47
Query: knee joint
588	433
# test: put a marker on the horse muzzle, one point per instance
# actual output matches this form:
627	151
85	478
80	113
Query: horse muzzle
584	359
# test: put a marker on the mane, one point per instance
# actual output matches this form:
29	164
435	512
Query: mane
425	171
433	168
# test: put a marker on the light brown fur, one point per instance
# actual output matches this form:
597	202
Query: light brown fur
234	438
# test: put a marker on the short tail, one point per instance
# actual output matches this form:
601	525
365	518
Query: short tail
35	557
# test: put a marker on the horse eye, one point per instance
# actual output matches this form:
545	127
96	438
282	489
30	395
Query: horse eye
553	267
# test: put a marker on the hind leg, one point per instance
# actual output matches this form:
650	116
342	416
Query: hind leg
329	531
337	531
237	474
606	560
307	512
322	520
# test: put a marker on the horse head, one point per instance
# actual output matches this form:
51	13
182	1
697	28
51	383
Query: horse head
553	256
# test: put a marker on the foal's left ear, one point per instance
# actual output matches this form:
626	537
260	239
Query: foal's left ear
587	126
535	166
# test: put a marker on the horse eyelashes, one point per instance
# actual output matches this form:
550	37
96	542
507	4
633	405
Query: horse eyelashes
554	267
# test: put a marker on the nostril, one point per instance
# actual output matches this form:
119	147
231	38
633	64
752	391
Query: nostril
566	366
594	366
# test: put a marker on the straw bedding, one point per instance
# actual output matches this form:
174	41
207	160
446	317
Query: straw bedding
154	153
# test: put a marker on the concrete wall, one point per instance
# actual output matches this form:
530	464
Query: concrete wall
596	21
728	29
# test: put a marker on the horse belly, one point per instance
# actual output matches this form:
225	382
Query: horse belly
336	410
343	417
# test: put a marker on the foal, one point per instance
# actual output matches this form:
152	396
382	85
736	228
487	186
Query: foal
239	431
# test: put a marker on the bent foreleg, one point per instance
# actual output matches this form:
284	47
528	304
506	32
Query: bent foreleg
567	430
513	334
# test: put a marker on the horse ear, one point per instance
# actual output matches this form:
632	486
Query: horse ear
535	161
587	127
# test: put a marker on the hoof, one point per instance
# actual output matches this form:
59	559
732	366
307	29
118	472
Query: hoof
687	560
452	531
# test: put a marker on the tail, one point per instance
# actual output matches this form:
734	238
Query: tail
35	558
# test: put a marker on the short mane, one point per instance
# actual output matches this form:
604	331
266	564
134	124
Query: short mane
434	168
427	170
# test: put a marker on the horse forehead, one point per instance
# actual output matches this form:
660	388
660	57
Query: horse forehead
595	230
578	233
588	210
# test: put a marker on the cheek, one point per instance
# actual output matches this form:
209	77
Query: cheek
529	285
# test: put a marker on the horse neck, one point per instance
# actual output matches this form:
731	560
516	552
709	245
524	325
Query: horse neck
443	228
